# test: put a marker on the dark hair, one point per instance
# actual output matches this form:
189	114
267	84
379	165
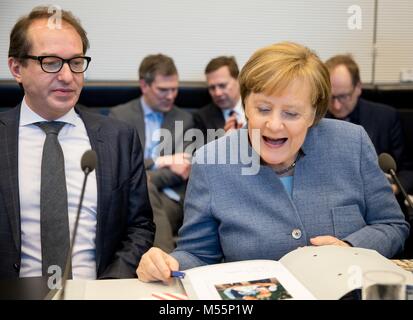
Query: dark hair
223	61
156	64
348	61
19	42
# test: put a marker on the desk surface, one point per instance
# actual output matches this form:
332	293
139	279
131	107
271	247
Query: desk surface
133	289
125	289
34	288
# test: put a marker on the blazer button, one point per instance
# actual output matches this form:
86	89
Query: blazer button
296	233
16	266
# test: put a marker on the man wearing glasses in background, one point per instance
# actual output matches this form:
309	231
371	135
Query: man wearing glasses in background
42	142
226	111
381	122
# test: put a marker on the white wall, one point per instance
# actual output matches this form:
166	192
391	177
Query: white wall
394	39
194	31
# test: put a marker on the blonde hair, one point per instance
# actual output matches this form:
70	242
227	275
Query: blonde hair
271	69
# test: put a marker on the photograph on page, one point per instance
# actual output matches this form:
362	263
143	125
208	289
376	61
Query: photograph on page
244	280
263	289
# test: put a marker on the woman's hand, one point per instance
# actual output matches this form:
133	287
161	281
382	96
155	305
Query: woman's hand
328	240
156	265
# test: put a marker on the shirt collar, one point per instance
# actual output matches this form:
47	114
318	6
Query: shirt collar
147	110
238	109
28	116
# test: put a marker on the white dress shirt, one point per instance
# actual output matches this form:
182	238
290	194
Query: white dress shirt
74	141
239	111
153	123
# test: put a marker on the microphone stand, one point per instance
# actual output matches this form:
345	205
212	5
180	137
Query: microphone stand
69	255
405	195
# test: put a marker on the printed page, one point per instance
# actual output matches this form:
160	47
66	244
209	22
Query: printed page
330	272
244	280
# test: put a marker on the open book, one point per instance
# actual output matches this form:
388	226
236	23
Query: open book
326	272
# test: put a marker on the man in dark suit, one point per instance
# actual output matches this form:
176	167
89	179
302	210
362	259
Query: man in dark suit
225	112
161	126
381	122
47	59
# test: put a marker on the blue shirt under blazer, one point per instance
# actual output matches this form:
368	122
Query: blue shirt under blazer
338	190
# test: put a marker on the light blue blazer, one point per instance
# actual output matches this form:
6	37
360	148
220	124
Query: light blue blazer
338	190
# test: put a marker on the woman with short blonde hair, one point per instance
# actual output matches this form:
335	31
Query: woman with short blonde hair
318	181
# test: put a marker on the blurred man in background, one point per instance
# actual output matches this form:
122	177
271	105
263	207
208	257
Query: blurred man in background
168	167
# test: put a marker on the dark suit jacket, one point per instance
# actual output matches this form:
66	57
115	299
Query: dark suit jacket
384	128
124	229
132	113
209	117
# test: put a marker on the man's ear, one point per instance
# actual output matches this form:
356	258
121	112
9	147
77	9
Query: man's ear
358	89
144	86
15	67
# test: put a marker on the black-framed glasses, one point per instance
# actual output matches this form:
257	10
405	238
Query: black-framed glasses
53	64
342	98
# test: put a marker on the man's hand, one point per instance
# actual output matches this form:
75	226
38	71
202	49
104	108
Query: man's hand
178	163
395	188
182	170
328	240
232	123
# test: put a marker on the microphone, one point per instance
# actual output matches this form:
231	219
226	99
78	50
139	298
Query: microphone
88	161
388	165
88	164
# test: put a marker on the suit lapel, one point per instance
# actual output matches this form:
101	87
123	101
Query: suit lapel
9	182
169	124
217	117
364	118
103	176
139	120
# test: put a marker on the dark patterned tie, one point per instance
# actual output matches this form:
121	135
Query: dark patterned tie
54	219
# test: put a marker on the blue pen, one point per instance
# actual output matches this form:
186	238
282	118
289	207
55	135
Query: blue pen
178	274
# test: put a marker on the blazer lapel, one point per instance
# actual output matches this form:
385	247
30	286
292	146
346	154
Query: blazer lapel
9	182
103	176
169	124
217	117
139	120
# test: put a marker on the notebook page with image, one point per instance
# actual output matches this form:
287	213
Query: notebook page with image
243	280
325	272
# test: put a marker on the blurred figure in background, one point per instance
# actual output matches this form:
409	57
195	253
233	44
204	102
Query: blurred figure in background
167	165
381	122
225	112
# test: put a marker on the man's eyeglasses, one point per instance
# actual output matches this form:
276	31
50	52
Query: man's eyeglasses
221	86
342	98
53	64
165	91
